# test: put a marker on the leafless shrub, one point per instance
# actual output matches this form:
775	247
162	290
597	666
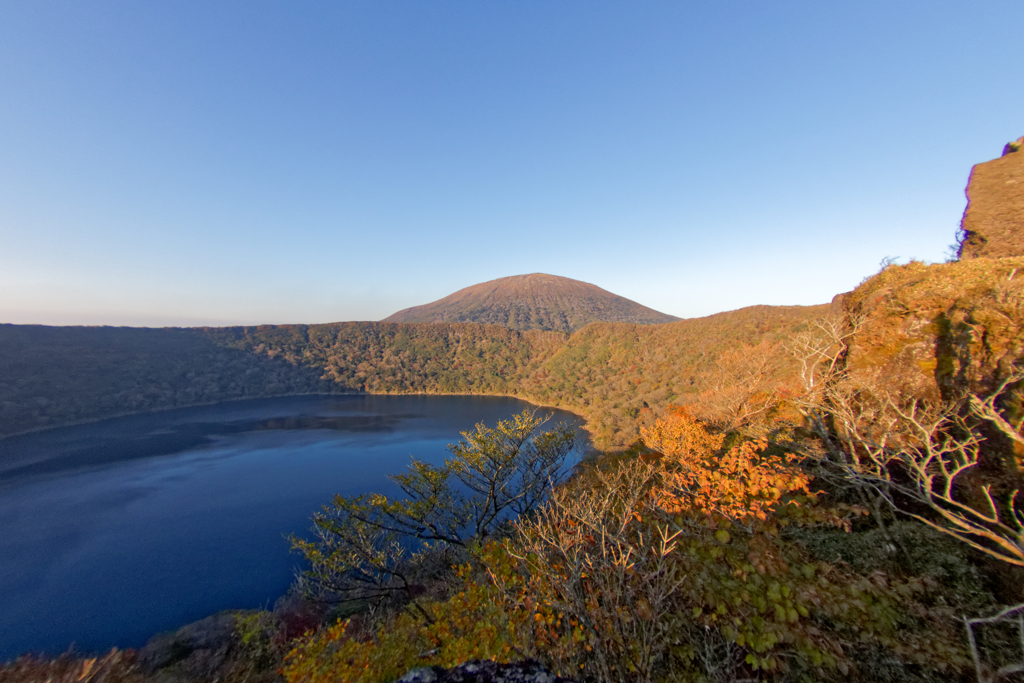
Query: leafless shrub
937	461
609	574
117	666
930	455
742	387
1013	617
913	455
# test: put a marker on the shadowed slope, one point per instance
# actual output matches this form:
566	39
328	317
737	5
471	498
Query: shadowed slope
532	302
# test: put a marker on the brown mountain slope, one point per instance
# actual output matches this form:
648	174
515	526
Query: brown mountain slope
532	302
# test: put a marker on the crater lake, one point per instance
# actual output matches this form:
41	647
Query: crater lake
114	531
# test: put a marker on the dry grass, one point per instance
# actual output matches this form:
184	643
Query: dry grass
117	666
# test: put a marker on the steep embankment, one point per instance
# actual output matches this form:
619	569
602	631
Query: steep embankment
940	330
532	302
932	331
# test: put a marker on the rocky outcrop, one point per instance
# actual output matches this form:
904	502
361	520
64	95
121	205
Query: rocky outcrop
481	671
196	651
993	223
933	331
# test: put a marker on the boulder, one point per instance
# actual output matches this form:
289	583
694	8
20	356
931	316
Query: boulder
198	649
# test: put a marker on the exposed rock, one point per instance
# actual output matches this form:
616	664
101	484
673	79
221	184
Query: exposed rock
196	650
993	223
931	330
532	302
482	671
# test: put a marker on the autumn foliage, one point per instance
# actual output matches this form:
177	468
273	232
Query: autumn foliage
678	567
743	482
682	568
471	624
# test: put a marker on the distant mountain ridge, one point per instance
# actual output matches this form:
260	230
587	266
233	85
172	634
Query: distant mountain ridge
533	302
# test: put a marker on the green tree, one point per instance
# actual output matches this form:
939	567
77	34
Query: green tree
372	548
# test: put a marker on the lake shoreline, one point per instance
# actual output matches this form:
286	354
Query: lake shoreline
585	426
234	476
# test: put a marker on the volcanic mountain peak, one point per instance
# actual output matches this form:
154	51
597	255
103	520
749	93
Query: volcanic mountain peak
535	301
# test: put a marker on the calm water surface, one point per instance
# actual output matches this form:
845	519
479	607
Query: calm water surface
114	531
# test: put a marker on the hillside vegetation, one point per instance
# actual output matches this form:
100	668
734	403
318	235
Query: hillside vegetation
825	493
607	372
836	517
836	493
57	375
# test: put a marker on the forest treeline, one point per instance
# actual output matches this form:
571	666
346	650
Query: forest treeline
51	376
607	372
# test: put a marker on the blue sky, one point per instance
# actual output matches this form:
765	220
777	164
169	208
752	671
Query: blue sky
277	162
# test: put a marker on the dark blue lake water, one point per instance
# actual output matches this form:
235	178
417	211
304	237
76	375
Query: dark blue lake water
114	531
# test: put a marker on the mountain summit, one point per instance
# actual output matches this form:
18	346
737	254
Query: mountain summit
532	302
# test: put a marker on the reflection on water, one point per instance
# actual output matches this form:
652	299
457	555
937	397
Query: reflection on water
347	423
113	531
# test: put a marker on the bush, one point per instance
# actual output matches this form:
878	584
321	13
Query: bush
475	623
699	562
365	547
679	569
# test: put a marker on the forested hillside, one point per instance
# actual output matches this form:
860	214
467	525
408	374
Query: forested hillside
607	372
441	358
738	537
611	372
57	375
824	493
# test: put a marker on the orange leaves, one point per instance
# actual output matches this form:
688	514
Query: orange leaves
649	570
680	437
743	483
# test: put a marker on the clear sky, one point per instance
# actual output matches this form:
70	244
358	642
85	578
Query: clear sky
179	163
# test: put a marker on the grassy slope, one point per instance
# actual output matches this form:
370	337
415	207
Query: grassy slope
537	301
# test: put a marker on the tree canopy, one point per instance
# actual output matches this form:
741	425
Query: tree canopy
367	547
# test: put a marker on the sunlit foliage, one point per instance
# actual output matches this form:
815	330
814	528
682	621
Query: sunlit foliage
680	568
676	568
475	623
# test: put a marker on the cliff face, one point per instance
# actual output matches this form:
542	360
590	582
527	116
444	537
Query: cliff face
931	331
993	224
936	331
